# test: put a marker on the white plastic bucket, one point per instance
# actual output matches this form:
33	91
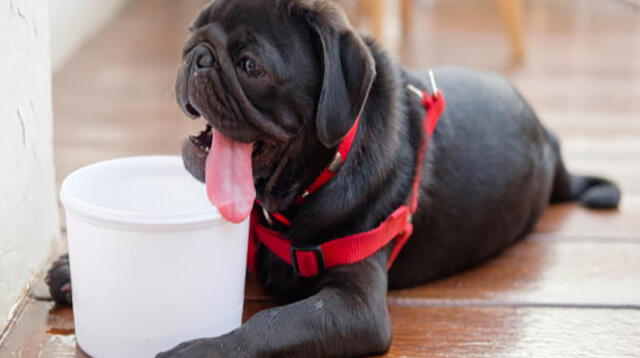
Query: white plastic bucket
153	263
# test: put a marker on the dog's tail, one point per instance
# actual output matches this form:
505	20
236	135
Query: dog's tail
591	192
594	192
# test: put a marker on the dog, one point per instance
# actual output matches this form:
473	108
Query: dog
285	81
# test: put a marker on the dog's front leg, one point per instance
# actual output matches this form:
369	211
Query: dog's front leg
348	317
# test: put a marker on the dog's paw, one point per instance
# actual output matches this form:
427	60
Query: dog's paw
59	280
202	348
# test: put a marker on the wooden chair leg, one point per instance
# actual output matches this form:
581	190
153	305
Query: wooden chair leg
375	11
512	13
406	10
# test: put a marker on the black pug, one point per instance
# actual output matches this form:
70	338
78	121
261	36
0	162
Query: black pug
290	77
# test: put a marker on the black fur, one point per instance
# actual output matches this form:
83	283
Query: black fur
348	75
490	171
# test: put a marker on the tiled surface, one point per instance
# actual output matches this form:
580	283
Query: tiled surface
571	290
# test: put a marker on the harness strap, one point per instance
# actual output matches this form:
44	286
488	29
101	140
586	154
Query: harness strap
340	157
310	261
434	106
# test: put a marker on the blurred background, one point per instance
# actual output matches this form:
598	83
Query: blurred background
577	61
102	87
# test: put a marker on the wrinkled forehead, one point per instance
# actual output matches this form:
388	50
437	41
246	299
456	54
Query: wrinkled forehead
245	20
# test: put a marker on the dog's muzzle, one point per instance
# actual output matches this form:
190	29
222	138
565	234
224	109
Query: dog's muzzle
199	59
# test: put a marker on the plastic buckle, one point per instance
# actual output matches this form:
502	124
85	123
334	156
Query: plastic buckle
317	250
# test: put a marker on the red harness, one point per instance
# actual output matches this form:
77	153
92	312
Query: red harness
311	261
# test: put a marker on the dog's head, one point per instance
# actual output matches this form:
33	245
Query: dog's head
288	76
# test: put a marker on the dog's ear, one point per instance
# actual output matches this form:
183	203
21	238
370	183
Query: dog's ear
348	71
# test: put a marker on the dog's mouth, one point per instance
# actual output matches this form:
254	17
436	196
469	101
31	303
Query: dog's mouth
196	149
275	188
203	140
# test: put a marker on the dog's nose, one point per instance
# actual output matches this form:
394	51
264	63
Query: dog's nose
203	57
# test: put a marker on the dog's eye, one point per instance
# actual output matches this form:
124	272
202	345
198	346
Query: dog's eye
250	67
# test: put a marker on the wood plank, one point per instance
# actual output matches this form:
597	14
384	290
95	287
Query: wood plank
542	272
115	97
43	331
425	331
514	332
572	220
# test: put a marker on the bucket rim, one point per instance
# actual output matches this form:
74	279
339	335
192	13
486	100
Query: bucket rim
129	217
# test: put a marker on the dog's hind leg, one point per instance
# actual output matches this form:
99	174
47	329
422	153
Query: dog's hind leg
348	317
591	192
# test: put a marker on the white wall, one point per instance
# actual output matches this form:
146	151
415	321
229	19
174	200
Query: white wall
74	21
28	213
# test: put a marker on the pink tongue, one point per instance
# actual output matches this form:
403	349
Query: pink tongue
229	177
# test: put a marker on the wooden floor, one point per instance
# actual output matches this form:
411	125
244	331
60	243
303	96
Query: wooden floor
570	290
